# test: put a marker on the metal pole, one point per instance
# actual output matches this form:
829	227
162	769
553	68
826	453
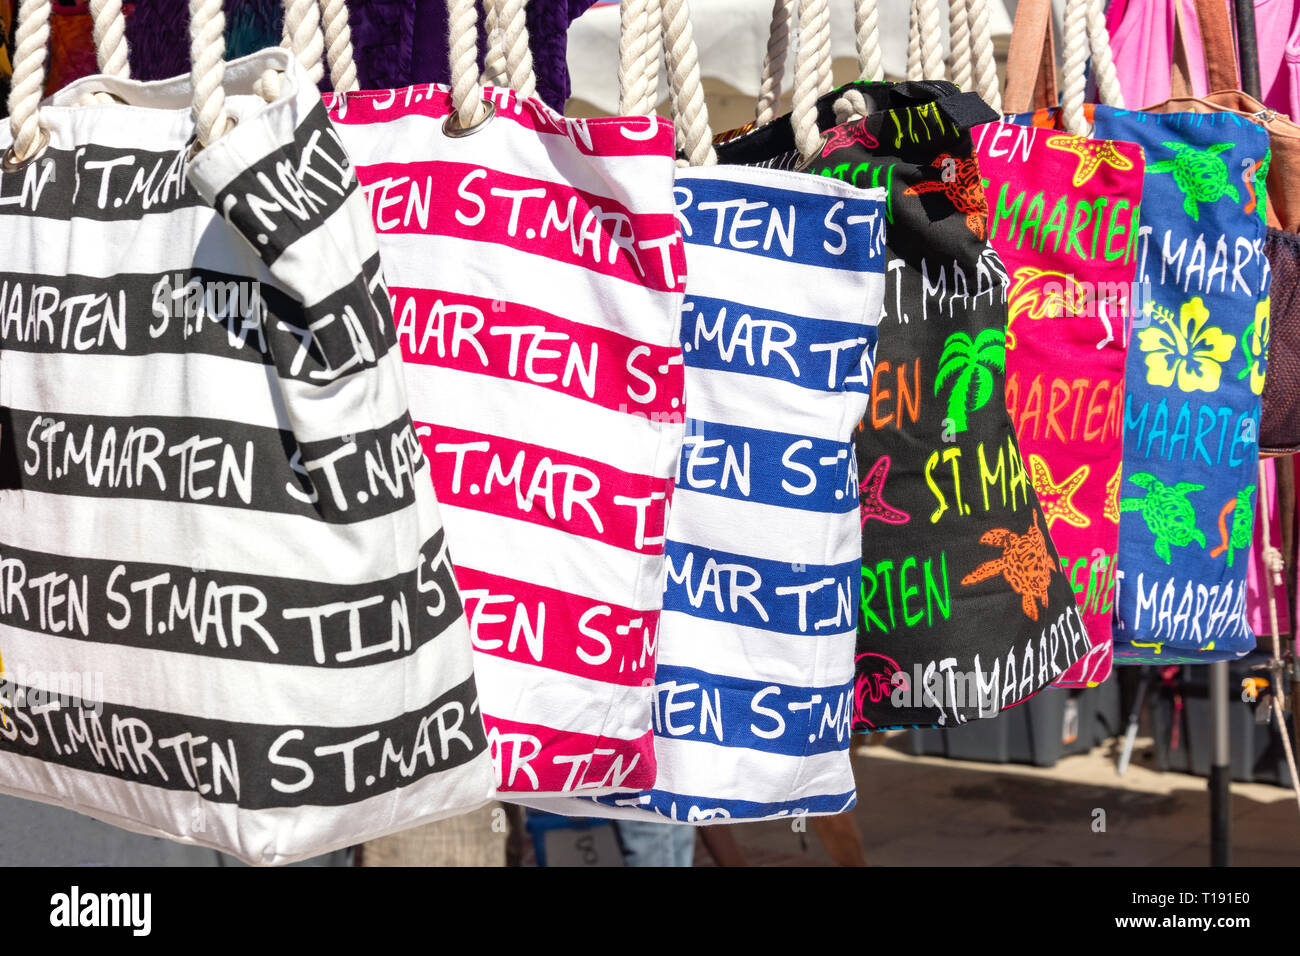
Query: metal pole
1220	774
1247	49
1220	754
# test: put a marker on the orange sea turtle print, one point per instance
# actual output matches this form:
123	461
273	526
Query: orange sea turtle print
960	182
1024	563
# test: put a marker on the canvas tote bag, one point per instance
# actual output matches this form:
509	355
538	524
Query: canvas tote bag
1063	217
216	513
754	685
1196	370
964	610
536	274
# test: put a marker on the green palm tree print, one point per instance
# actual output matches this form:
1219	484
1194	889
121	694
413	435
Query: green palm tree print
969	365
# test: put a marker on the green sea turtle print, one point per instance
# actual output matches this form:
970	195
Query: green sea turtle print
1167	513
1201	176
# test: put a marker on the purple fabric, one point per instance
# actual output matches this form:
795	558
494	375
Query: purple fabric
396	42
548	30
157	34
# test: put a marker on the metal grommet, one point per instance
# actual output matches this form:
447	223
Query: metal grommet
451	125
803	165
10	163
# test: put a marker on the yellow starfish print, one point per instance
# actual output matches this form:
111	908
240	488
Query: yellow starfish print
1112	495
1092	153
1058	500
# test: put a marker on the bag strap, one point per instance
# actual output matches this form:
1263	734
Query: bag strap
1085	31
109	31
302	36
207	71
812	77
973	62
924	42
1220	45
1218	49
641	24
960	69
338	46
866	24
778	45
690	113
1032	82
512	22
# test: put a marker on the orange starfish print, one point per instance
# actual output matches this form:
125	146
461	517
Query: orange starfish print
960	182
1058	499
1092	153
1112	495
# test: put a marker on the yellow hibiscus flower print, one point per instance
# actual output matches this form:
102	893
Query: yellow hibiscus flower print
1254	345
1187	350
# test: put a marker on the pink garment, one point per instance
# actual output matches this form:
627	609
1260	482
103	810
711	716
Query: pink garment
1142	39
1256	579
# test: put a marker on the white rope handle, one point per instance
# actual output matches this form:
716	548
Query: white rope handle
207	70
984	64
1075	66
871	67
109	29
924	42
929	39
914	70
974	66
28	83
825	78
690	113
512	18
778	45
959	43
654	50
640	26
302	35
495	70
338	46
466	93
810	82
1085	31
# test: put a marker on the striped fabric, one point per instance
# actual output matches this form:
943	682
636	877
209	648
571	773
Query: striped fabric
536	272
227	616
754	689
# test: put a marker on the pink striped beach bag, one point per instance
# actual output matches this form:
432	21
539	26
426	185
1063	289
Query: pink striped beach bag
536	274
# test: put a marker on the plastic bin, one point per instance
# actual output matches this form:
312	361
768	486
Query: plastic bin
1051	724
1256	753
1028	733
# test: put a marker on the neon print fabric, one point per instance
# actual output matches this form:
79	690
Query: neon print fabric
1063	216
964	609
1195	375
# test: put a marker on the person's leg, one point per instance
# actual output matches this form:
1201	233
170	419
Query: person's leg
722	846
841	838
645	843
